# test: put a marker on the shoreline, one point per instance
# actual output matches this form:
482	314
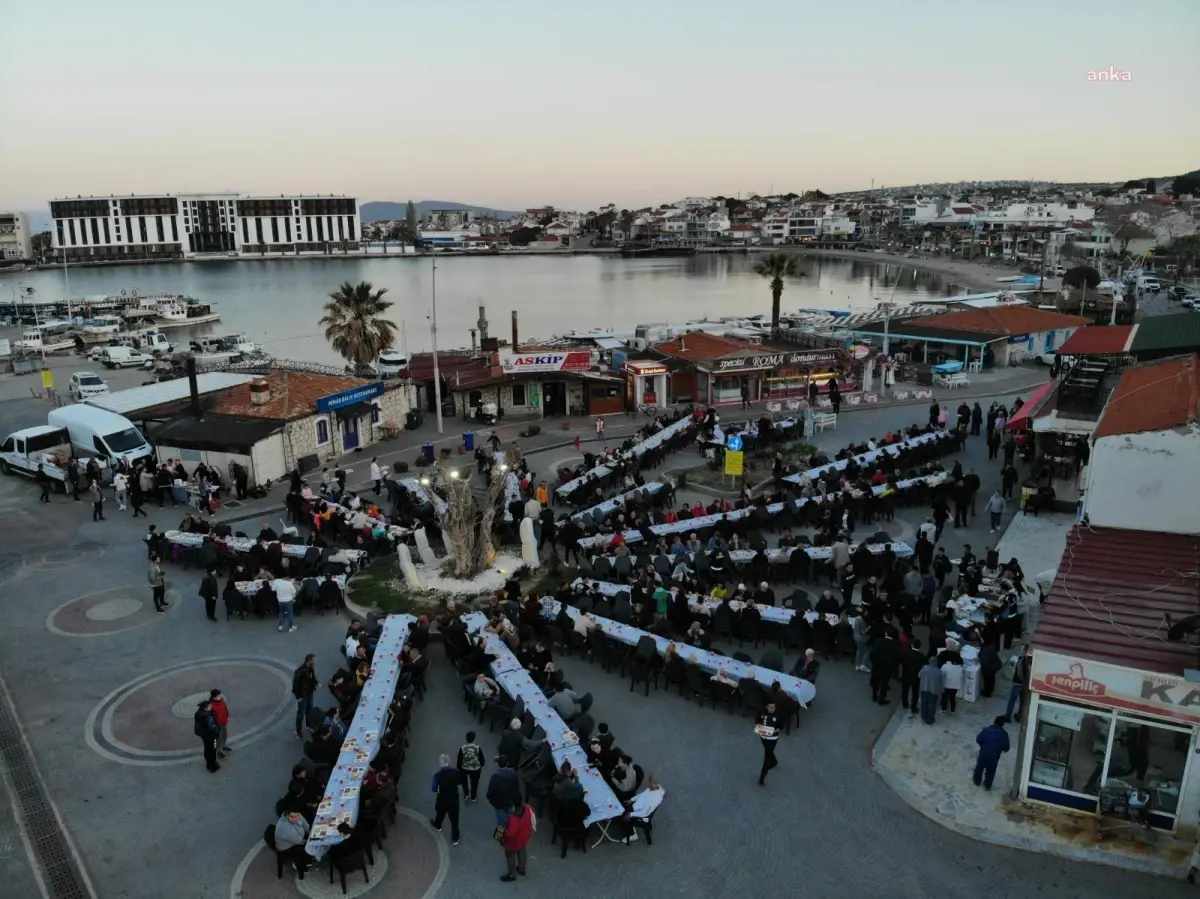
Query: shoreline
974	276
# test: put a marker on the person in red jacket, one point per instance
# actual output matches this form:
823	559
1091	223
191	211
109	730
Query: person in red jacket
220	713
518	831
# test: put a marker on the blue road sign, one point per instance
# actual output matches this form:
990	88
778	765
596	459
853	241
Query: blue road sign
735	443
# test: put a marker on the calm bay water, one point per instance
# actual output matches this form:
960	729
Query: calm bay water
278	303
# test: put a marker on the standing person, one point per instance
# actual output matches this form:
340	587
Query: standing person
835	396
304	685
885	655
285	594
976	419
930	682
220	713
952	678
600	431
992	742
518	831
43	481
1016	694
445	785
862	643
97	496
745	395
470	763
121	489
209	591
376	475
1008	480
504	789
935	412
137	496
768	733
205	727
995	510
912	660
73	478
158	584
993	443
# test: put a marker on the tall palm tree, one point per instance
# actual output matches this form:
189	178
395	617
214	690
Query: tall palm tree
354	322
775	267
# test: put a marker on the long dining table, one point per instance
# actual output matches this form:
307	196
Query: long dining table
610	505
343	792
637	450
603	804
869	457
800	690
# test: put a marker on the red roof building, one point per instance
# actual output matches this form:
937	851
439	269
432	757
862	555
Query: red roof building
1156	396
1003	321
1098	340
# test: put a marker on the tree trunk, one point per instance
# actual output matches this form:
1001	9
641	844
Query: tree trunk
776	296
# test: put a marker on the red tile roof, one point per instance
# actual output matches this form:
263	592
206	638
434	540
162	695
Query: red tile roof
1098	340
294	394
1111	593
1004	321
1153	397
698	346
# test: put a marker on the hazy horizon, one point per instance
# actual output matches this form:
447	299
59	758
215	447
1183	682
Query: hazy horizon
532	103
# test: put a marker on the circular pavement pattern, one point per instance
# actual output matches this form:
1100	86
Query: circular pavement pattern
107	612
64	558
148	721
414	872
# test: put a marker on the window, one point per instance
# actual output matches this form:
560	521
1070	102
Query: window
322	431
1069	747
376	414
107	234
1149	756
518	395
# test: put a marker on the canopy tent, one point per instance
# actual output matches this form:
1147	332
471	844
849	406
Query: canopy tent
1021	418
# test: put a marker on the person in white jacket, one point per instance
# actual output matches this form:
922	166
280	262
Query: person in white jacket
952	679
121	486
376	475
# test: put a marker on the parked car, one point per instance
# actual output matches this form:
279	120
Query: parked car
1048	358
85	383
124	357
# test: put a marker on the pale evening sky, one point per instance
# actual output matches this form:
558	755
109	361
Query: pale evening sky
528	102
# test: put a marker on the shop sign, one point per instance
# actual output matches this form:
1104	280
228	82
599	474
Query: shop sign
775	360
1019	338
518	363
350	397
735	462
640	368
1112	686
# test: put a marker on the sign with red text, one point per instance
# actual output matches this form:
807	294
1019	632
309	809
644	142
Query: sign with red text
1112	686
517	363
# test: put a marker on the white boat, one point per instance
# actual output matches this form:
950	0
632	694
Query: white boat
102	326
235	343
34	341
390	363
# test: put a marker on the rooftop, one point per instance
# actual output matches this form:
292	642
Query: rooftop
294	394
1160	335
1111	594
1154	396
699	346
166	396
1098	340
1002	321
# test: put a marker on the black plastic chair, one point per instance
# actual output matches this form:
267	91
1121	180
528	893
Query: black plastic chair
698	683
751	693
675	672
719	691
644	664
347	863
772	660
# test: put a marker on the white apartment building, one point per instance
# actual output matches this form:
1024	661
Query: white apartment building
174	226
774	229
921	212
448	219
1021	215
835	225
16	241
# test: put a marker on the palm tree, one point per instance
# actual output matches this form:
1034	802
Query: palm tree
775	267
355	325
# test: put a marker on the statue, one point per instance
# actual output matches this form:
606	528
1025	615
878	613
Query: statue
407	567
529	549
424	549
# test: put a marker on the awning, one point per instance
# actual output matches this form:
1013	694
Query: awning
355	410
1021	418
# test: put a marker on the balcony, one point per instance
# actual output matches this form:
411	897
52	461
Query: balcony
1085	389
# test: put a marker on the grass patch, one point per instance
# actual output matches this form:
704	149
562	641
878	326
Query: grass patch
378	586
711	475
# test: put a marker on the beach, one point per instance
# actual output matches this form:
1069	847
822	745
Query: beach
975	275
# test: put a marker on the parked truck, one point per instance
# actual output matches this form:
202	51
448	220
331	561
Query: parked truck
23	451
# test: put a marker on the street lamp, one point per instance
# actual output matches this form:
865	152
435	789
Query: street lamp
437	378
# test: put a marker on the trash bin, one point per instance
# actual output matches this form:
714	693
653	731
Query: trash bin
469	441
413	420
427	451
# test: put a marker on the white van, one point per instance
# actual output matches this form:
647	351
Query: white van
98	432
123	357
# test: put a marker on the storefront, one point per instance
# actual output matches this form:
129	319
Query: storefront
646	383
1097	731
774	375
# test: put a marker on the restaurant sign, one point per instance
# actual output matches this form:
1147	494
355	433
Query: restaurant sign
335	401
517	363
1112	686
776	360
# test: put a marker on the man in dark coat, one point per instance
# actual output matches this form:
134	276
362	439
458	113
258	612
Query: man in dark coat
206	729
992	742
885	655
504	790
446	784
912	660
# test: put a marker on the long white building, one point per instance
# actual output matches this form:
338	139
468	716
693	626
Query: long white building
187	226
16	241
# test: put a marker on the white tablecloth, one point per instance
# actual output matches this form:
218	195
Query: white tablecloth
868	457
800	690
424	495
636	450
243	544
749	429
249	588
609	505
602	802
340	802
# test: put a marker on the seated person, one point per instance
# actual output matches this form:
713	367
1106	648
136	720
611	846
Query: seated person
323	748
622	777
644	804
809	668
291	833
566	784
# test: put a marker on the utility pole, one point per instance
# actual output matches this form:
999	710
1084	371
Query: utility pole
437	378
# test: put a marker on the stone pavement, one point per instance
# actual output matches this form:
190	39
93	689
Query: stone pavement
105	690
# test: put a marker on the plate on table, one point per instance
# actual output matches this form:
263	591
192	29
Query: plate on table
350	792
569	737
357	772
325	805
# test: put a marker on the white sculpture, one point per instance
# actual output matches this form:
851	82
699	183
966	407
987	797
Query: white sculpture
424	549
407	567
529	550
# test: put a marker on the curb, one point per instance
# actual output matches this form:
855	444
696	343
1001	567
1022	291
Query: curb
1028	844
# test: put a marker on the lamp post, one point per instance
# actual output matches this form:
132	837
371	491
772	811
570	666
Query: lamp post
437	378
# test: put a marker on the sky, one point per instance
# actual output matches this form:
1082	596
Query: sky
525	103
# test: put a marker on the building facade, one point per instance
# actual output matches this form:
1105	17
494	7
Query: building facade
185	226
16	241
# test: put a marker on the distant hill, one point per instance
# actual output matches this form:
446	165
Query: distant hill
388	211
